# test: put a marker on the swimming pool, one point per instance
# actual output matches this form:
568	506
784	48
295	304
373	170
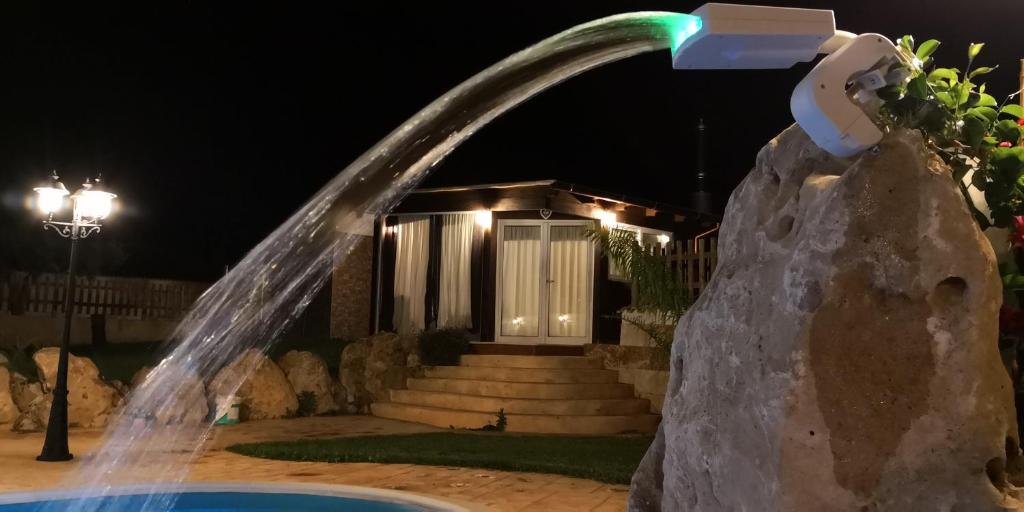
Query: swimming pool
231	498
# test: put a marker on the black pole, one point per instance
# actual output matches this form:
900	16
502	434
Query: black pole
55	448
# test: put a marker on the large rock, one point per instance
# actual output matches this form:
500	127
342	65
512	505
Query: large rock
24	391
8	409
189	406
91	401
387	365
35	416
373	366
263	388
352	373
308	373
844	355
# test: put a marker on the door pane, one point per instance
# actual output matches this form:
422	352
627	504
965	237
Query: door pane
520	281
568	303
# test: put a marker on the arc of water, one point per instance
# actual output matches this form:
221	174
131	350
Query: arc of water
253	304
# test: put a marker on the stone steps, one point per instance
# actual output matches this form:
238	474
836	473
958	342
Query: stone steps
523	389
526	423
513	361
536	375
560	394
489	404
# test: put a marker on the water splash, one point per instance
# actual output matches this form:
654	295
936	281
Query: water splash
254	303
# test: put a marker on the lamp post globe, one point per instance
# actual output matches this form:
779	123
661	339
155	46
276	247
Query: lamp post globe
90	205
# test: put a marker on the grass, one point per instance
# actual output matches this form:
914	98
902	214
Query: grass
605	459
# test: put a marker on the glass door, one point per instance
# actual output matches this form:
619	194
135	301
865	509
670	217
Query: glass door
545	280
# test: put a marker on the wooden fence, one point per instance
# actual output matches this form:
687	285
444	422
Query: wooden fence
691	262
117	297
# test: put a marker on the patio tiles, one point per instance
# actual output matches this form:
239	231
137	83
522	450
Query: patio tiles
478	489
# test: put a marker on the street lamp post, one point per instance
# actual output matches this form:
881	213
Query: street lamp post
89	205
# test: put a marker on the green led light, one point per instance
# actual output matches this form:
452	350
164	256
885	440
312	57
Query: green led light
681	27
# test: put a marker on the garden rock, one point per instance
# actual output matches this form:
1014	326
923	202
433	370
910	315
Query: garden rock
189	405
353	375
23	392
386	365
373	366
844	356
35	416
307	372
263	389
91	401
8	409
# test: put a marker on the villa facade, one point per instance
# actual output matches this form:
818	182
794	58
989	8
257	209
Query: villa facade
511	263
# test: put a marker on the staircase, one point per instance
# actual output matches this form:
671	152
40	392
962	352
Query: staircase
540	394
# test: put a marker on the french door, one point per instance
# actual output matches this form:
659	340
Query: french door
544	282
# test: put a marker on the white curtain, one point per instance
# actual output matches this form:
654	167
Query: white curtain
411	255
455	306
568	307
520	280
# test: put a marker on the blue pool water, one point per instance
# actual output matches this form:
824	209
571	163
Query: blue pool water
223	502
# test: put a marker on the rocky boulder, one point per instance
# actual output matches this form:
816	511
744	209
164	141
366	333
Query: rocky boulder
263	388
844	356
373	366
91	401
189	405
307	372
35	416
8	409
23	391
353	376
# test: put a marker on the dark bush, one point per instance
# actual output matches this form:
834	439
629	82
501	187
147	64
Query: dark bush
442	347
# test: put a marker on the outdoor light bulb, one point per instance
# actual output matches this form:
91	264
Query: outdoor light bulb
663	240
564	318
92	202
607	218
483	218
49	199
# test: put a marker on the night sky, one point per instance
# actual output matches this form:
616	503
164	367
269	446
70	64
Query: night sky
214	122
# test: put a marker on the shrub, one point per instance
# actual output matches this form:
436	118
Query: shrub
442	347
307	403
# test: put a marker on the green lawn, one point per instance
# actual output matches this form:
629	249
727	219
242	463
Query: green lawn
606	459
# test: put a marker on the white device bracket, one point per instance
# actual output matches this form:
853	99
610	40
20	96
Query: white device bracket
835	102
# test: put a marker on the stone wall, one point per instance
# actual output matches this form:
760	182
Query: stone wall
351	292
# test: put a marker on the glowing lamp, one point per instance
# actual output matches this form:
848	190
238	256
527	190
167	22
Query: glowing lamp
608	218
93	201
663	240
50	196
483	218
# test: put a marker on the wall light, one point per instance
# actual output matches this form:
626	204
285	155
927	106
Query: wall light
483	218
663	240
608	218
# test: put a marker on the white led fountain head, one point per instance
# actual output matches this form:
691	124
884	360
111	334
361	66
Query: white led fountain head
832	103
730	36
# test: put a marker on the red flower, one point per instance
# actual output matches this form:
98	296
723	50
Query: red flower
1006	144
1020	121
1017	233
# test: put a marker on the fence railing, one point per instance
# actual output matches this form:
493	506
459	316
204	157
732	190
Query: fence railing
119	297
691	263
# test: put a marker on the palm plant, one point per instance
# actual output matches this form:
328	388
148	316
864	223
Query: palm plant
659	298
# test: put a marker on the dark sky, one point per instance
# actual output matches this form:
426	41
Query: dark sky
214	121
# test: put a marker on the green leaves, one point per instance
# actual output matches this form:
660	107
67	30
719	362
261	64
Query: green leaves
1007	131
926	49
950	75
984	70
907	43
1013	110
974	50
